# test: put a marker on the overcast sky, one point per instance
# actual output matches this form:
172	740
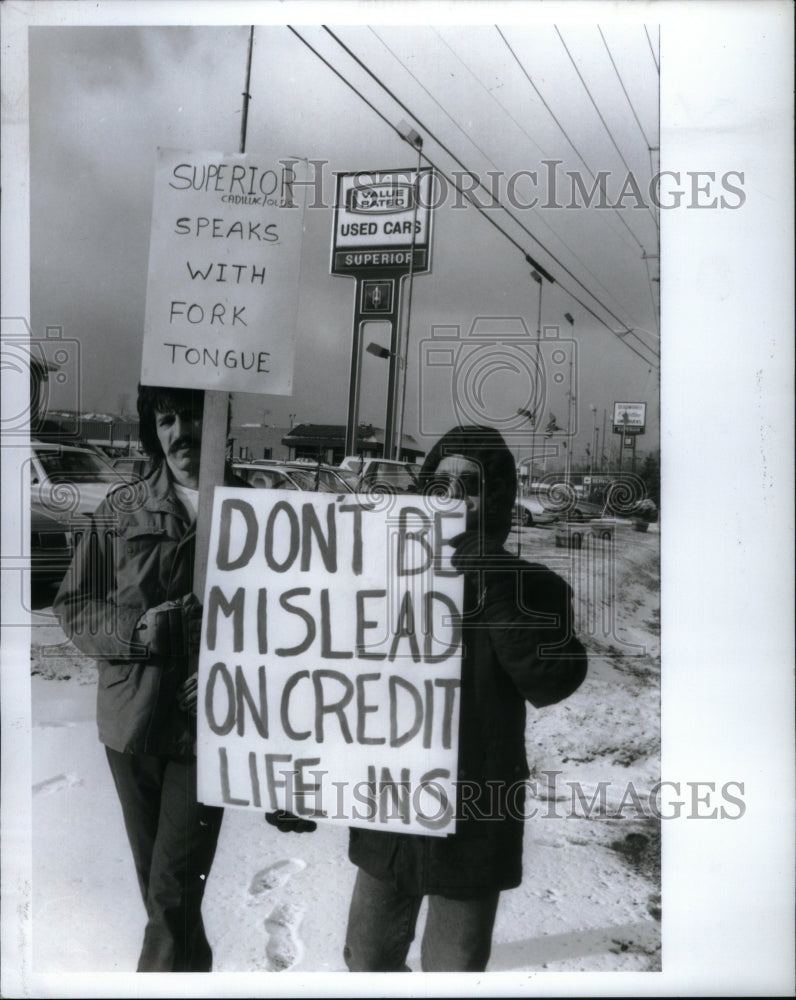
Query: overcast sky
102	99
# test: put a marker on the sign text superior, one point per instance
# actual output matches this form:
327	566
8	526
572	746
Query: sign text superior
380	258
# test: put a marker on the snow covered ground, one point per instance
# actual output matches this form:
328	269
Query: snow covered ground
590	898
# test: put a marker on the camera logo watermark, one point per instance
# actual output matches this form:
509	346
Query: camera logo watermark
495	373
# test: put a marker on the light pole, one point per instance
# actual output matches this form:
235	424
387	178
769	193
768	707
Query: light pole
532	413
593	444
570	402
385	354
416	140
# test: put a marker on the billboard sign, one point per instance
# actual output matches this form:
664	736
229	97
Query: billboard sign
382	222
629	418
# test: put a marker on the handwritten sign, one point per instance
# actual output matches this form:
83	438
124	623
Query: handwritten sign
329	674
224	257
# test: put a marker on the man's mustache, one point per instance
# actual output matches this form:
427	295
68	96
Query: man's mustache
186	441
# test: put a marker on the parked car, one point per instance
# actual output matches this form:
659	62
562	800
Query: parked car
533	513
319	477
136	466
349	477
265	477
70	479
51	545
382	474
302	475
583	510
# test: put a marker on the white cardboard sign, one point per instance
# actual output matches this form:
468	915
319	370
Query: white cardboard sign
329	673
224	256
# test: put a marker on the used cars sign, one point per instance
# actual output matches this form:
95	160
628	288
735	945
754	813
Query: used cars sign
382	221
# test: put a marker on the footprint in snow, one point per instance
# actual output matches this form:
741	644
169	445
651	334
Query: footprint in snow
51	785
276	875
283	948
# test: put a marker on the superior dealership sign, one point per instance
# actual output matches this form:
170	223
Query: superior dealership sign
383	222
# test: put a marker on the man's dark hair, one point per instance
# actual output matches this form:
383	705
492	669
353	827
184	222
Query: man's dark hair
153	398
486	447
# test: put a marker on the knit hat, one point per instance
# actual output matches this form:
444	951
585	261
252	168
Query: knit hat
486	447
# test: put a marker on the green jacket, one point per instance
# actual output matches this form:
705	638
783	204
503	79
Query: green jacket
136	552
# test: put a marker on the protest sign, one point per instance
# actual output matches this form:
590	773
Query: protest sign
329	673
224	256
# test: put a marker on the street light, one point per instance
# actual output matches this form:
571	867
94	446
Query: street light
570	403
378	351
414	139
385	353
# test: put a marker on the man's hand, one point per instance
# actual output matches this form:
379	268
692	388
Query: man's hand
192	610
187	694
171	628
160	629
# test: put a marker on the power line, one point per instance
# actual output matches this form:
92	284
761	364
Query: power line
599	115
466	194
652	51
486	155
652	293
518	124
624	91
621	334
470	173
552	114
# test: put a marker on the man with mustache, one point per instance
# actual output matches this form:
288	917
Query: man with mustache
127	601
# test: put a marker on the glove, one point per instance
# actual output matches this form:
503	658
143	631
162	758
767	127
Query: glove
192	611
171	628
474	553
187	694
286	822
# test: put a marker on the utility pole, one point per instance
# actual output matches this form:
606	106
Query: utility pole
602	453
571	409
417	141
533	412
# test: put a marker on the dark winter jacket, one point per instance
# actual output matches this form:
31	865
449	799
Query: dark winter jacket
518	646
137	552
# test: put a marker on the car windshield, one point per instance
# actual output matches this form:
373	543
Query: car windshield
64	466
316	479
269	479
396	476
348	477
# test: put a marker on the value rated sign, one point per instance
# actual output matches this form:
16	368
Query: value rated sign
630	418
383	222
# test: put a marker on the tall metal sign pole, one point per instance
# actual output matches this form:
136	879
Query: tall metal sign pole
629	420
382	234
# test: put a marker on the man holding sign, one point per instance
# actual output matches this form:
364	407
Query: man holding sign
518	646
127	601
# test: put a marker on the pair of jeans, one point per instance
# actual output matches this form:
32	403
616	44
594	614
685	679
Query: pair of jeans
173	839
381	927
